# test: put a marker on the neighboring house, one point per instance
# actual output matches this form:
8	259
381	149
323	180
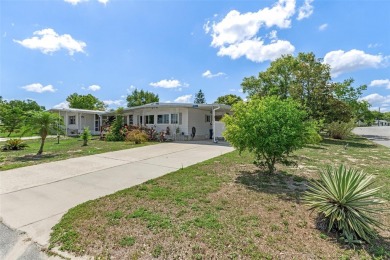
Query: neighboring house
182	119
381	123
76	119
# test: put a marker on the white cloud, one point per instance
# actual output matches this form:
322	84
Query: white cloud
377	99
39	88
322	27
130	89
255	50
374	45
208	74
64	104
166	83
236	90
184	99
236	34
236	27
48	41
273	35
110	102
103	1
206	27
94	87
341	61
306	10
380	82
75	2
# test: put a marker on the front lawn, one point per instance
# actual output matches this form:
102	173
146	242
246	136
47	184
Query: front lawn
69	147
224	209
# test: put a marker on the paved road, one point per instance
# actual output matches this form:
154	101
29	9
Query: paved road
34	198
377	134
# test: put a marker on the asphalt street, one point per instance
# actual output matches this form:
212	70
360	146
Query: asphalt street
377	134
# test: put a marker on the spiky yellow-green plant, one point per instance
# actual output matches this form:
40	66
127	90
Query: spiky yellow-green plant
346	198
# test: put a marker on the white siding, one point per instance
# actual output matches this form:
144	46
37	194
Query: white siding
183	127
82	120
197	118
219	128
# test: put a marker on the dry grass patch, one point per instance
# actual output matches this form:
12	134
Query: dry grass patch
224	208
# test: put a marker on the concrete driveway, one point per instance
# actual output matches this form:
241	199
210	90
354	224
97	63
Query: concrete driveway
377	134
34	198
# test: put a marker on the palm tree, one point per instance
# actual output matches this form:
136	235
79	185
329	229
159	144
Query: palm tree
43	123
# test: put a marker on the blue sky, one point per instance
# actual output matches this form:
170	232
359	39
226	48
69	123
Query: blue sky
51	49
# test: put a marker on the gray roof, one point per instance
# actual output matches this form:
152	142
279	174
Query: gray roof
187	105
151	105
85	111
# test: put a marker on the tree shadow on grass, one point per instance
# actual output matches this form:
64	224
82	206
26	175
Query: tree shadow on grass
286	186
352	142
34	157
318	147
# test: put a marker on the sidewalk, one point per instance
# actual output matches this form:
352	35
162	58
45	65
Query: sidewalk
3	139
34	198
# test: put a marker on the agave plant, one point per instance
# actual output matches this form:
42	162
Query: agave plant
348	202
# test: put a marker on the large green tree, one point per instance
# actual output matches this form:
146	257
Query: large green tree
13	113
307	80
269	127
229	99
141	97
199	97
89	102
43	123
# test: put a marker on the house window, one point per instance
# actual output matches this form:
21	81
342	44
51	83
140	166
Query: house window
180	118
139	120
72	120
131	120
174	118
149	119
208	118
97	122
163	119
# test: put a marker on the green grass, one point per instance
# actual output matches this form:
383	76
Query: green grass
225	208
16	134
69	147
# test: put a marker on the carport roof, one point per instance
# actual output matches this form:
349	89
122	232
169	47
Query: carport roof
151	105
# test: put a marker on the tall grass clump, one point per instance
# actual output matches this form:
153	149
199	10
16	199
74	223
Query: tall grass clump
340	130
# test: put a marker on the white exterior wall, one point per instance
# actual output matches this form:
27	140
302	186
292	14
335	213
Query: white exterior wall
183	127
219	128
197	118
82	120
88	120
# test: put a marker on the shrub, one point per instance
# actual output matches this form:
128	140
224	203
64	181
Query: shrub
340	130
14	144
86	135
343	198
136	136
116	133
270	128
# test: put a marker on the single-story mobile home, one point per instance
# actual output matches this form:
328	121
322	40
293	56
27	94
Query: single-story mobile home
182	120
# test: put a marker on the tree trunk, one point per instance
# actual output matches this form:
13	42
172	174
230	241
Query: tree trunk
271	165
42	144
